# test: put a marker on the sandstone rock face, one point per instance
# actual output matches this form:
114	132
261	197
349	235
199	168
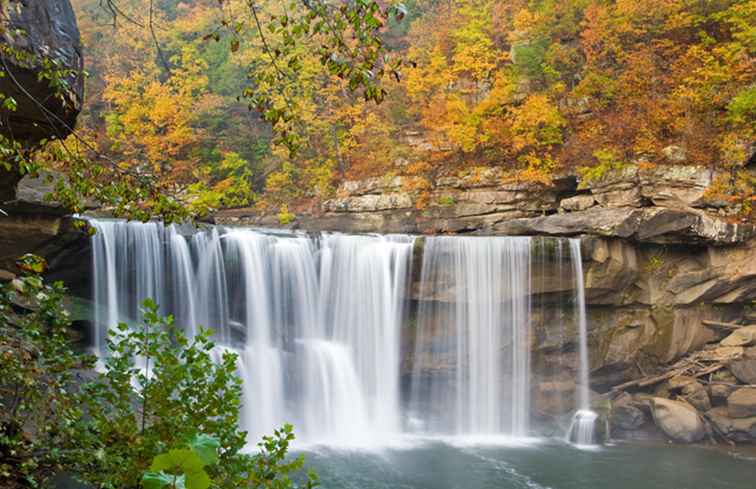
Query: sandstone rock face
658	204
676	186
617	188
647	225
32	224
677	420
578	203
742	403
43	28
370	203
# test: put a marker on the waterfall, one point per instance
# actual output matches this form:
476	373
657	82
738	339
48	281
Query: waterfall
582	429
315	320
474	336
335	335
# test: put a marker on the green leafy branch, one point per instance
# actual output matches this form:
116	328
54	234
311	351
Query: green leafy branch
184	468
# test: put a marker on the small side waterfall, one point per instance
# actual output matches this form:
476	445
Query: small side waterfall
335	335
583	426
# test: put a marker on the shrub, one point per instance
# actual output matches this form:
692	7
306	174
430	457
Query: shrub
41	427
158	391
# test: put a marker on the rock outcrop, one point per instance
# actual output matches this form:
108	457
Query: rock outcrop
41	41
36	31
657	205
30	223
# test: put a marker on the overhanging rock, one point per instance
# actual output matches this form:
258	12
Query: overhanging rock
40	33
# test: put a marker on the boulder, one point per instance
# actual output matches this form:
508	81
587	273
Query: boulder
744	370
741	337
742	403
678	420
735	429
695	394
625	414
679	331
31	195
43	29
720	392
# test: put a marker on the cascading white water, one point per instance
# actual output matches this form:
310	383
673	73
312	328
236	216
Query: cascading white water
357	267
317	323
582	429
474	336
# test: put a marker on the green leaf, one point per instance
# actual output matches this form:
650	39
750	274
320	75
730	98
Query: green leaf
206	447
156	480
183	458
198	480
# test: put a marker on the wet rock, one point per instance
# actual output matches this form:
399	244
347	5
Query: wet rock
678	420
555	397
741	337
742	403
625	414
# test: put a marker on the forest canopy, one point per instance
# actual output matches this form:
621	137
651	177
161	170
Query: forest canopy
534	87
